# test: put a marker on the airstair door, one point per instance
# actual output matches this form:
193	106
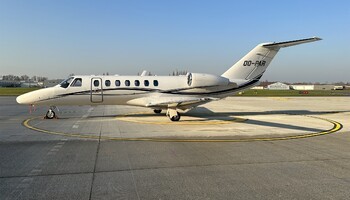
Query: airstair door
96	93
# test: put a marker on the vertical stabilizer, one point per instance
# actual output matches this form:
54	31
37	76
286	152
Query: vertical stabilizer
254	64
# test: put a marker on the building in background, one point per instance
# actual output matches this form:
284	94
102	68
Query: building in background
302	87
6	83
51	83
258	87
339	87
324	87
278	86
312	87
27	84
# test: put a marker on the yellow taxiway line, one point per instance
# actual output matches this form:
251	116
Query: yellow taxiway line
129	118
336	127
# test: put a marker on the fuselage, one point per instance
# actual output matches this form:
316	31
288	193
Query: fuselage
122	90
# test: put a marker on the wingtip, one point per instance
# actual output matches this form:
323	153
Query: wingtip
317	38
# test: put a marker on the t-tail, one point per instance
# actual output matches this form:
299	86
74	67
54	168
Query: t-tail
253	65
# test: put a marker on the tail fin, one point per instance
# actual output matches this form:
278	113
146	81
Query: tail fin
254	64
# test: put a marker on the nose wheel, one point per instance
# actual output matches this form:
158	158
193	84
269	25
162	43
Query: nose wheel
50	114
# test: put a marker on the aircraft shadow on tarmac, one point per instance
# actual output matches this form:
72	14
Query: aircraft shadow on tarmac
205	111
204	114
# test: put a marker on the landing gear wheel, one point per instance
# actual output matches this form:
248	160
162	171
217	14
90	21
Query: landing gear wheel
175	118
50	114
157	111
173	114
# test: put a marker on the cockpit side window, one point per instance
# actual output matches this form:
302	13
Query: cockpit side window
66	82
77	82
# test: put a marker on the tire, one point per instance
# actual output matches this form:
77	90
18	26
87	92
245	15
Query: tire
175	118
157	111
50	114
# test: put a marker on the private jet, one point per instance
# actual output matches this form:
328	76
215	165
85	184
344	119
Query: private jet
170	93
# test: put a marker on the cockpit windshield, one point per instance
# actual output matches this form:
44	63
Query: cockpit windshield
66	82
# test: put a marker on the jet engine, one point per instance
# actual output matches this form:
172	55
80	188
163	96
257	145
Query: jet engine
205	80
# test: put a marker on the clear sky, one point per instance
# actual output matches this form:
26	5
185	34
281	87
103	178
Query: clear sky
56	38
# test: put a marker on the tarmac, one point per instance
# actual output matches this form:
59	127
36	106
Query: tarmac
236	148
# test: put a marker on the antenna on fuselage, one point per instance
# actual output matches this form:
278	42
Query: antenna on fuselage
144	73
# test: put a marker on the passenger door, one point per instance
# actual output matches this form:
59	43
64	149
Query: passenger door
96	93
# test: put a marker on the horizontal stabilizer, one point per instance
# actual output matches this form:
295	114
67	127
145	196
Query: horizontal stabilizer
291	43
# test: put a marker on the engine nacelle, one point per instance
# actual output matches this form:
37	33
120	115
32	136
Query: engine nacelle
205	80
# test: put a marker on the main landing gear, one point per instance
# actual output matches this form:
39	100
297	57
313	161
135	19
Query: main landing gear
50	114
157	111
173	115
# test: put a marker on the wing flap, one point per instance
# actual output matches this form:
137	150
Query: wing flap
179	102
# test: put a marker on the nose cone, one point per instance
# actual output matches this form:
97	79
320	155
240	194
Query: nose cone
24	99
36	97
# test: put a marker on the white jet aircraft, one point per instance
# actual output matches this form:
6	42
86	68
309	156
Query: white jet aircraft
170	93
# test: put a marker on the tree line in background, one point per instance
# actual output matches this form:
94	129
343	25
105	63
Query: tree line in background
266	82
23	78
178	73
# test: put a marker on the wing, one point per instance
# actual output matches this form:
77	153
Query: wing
182	103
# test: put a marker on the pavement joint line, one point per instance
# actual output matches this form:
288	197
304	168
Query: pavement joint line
337	126
95	165
175	167
130	169
36	170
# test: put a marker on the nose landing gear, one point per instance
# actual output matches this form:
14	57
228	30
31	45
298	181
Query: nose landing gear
50	114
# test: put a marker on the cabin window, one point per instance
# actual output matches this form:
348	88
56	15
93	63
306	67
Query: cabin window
108	83
127	83
66	82
117	83
146	82
77	82
155	83
137	83
96	83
